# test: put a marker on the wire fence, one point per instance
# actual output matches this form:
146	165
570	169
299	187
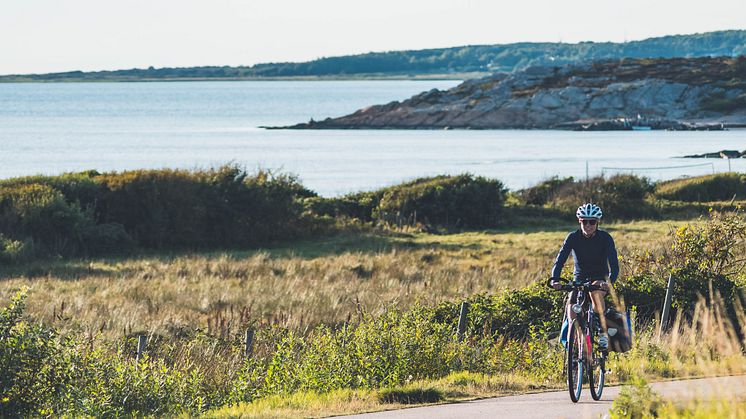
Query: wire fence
648	169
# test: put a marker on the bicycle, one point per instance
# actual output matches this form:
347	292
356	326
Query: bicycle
581	353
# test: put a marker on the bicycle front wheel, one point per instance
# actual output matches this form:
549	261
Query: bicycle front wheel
575	361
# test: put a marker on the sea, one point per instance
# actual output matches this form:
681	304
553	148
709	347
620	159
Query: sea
53	128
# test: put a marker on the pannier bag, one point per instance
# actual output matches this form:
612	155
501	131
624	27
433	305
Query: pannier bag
619	328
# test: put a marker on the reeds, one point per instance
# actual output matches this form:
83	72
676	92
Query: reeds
705	342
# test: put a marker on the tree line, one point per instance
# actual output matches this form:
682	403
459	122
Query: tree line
463	59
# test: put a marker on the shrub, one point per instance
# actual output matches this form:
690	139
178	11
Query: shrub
37	366
360	205
620	196
108	238
92	213
80	188
636	401
717	187
44	374
15	250
514	313
271	209
40	213
156	207
702	259
443	201
216	208
544	192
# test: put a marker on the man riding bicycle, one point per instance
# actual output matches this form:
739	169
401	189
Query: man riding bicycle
595	257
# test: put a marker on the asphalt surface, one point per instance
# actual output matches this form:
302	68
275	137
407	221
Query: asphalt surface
557	404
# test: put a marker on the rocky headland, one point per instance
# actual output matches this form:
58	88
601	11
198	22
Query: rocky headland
675	93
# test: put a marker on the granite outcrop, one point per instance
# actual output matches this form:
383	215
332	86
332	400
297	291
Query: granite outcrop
675	93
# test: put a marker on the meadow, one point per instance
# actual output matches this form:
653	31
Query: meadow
354	307
326	281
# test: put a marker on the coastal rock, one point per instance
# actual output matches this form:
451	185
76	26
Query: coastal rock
677	93
722	154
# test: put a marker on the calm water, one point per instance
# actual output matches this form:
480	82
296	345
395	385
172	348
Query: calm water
55	128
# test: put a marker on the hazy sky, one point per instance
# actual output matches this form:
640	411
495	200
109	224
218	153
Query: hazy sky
61	35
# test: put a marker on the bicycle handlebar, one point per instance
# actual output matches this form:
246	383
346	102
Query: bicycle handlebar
585	284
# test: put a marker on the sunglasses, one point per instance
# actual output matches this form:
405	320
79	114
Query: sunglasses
589	222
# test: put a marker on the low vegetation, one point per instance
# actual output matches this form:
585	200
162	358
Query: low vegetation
639	401
360	317
91	213
716	187
621	196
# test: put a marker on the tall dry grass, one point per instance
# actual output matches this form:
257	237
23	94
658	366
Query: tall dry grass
324	281
706	342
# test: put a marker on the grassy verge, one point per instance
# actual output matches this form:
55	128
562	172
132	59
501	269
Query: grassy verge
639	401
455	387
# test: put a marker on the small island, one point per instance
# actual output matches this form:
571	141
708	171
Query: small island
722	154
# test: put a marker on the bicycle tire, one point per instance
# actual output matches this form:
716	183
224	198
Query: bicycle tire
596	369
575	361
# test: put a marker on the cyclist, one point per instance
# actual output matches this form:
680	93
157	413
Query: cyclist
595	259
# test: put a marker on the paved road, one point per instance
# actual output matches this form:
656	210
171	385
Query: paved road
557	404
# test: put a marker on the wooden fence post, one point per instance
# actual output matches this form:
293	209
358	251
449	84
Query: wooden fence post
140	347
462	318
667	304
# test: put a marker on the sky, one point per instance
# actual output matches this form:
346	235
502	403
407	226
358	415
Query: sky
40	36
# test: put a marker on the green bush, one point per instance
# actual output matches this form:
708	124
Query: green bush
15	250
223	207
80	188
636	401
702	259
40	214
717	187
44	374
156	207
38	375
544	192
443	201
360	205
513	313
620	196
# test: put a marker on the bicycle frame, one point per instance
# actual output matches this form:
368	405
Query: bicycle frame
580	356
581	297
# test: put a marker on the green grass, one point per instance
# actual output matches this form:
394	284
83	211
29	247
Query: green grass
385	302
715	187
638	400
455	387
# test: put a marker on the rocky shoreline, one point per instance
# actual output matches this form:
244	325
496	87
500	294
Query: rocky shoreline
622	124
672	94
722	154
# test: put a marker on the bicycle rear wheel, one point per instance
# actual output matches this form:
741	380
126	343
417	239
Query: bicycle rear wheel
596	370
575	362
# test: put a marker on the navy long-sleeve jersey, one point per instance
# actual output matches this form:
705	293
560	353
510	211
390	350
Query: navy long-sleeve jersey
594	257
